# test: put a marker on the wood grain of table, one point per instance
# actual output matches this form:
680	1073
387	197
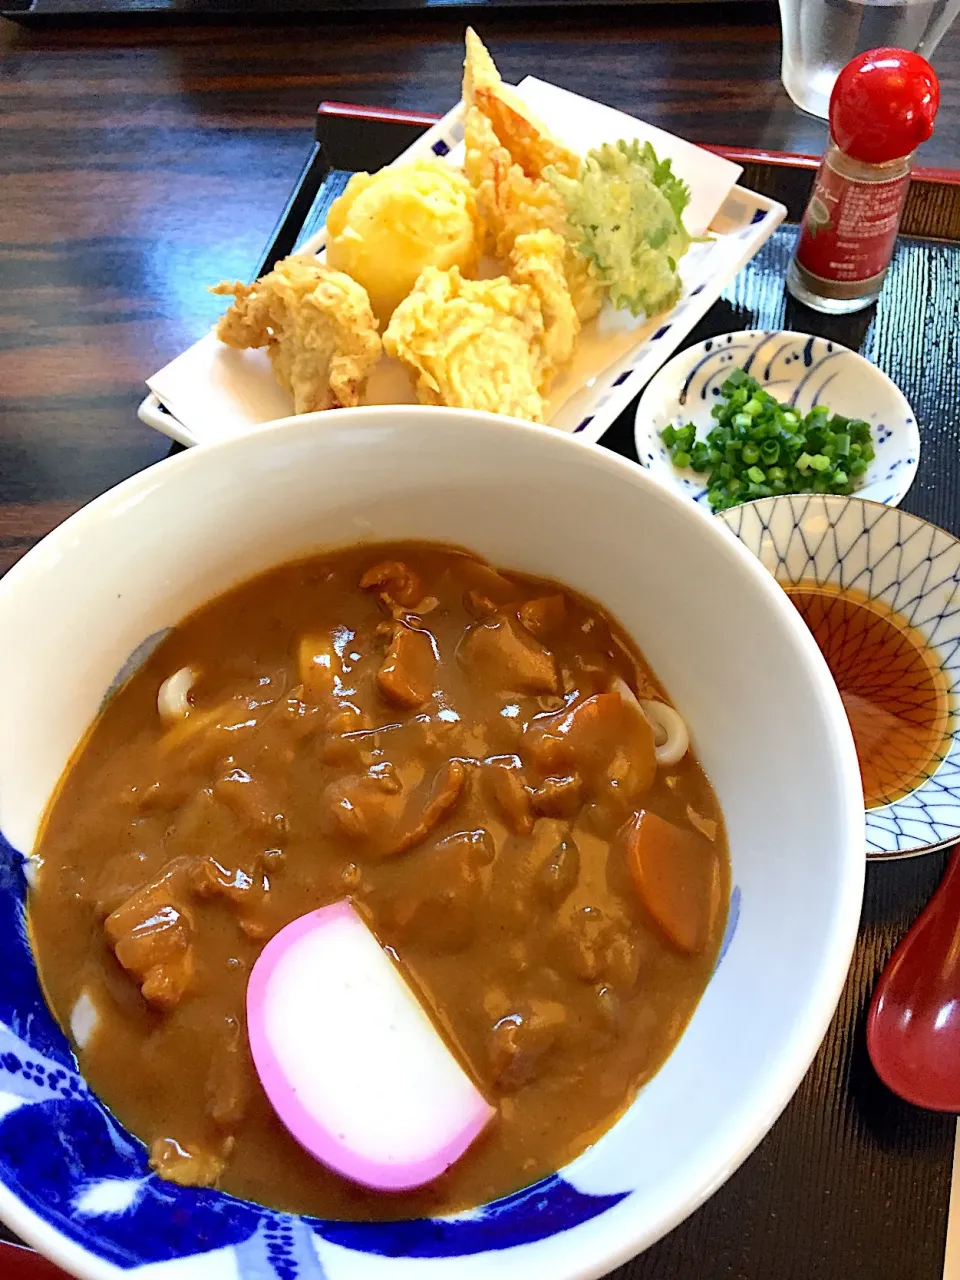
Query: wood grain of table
139	164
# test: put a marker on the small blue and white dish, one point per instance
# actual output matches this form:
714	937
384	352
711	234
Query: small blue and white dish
798	369
912	569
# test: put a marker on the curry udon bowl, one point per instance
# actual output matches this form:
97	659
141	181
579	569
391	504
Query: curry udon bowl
78	613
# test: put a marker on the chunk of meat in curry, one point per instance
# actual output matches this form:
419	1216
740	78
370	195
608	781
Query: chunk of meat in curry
444	743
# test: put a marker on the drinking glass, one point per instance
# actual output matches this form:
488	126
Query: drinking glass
821	36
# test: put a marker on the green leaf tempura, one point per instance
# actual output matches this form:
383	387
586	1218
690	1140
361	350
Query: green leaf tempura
627	207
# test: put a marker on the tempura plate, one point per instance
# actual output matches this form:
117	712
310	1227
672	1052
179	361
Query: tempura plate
211	392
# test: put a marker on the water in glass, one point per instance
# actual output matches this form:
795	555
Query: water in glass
821	36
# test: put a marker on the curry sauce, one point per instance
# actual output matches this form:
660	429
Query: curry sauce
461	752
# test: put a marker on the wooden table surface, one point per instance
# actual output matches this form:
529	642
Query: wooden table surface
138	165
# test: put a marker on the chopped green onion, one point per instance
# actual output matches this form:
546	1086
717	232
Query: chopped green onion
770	452
757	447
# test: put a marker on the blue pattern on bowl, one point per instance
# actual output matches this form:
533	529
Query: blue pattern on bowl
733	919
135	661
68	1159
549	1206
914	568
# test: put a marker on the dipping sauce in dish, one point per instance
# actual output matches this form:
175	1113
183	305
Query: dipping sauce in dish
482	763
893	688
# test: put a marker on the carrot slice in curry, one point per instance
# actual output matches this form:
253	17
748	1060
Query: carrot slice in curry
677	875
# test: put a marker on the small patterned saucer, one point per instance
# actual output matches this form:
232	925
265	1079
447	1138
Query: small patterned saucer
797	369
911	567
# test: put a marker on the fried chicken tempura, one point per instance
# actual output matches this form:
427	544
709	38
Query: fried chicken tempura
489	344
317	327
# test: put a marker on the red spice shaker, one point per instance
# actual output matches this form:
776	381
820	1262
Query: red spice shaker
881	109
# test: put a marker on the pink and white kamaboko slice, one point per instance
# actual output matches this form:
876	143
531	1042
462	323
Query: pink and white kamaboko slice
350	1061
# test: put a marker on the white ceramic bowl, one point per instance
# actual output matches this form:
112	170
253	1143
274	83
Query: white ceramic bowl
767	723
799	370
911	567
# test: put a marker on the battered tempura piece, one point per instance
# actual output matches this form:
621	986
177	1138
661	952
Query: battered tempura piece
528	140
387	226
506	151
317	327
473	344
489	344
513	204
537	260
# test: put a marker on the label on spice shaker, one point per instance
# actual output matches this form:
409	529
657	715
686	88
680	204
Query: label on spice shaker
850	227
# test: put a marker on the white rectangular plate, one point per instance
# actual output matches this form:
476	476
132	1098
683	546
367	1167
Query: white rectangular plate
211	392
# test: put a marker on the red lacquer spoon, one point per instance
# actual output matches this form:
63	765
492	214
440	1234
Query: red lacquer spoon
913	1028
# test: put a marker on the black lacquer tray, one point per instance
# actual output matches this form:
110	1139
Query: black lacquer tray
851	1182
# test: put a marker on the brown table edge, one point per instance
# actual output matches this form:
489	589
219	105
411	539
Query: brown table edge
933	203
739	155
